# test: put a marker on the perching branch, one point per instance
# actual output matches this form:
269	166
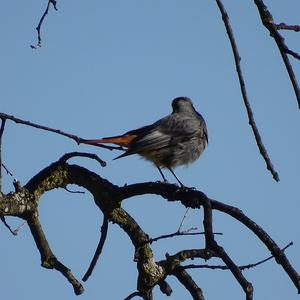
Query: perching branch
109	199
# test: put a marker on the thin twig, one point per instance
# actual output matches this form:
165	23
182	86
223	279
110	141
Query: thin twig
178	233
283	26
73	192
38	28
16	231
7	171
268	22
242	267
104	229
1	134
183	219
252	123
12	231
77	139
2	218
132	295
67	156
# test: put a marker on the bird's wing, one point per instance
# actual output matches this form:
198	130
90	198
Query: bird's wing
163	133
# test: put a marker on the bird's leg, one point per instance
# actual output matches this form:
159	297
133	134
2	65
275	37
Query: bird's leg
181	184
161	173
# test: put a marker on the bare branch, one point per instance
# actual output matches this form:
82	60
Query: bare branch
242	267
252	123
196	199
73	192
7	171
267	21
38	28
283	26
48	259
77	139
104	229
188	282
177	233
1	135
183	219
165	288
211	244
132	295
2	218
108	198
67	156
279	255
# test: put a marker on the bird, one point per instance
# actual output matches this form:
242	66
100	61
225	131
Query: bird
177	139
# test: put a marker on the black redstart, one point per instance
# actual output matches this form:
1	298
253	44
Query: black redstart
177	139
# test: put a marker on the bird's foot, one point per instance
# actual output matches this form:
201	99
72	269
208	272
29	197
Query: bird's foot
162	181
187	188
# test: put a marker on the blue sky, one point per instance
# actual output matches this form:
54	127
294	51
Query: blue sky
106	67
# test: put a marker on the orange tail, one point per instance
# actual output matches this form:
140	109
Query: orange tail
122	140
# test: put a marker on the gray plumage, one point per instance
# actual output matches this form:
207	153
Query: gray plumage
177	139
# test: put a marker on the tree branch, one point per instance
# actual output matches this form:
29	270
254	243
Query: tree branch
252	123
77	139
188	282
108	198
48	259
38	28
1	135
267	21
98	252
283	26
242	267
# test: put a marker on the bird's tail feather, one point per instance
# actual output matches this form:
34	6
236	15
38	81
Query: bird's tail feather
121	140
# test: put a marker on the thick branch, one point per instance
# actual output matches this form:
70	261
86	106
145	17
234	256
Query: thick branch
188	282
108	198
196	199
48	259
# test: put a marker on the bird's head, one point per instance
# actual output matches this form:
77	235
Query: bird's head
182	104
